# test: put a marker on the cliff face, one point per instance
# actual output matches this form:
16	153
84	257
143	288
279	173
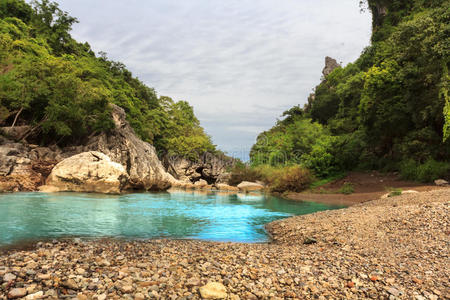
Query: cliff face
142	164
209	167
24	167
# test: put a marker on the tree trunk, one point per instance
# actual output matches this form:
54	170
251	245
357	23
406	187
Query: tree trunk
17	116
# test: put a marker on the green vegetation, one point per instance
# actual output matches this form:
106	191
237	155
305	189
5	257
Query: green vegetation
61	88
347	189
389	110
395	192
278	179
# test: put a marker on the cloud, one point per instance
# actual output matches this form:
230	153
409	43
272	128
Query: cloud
240	63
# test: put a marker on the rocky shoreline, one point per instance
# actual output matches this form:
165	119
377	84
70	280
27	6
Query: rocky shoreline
395	248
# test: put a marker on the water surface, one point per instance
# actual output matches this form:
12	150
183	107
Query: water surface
211	216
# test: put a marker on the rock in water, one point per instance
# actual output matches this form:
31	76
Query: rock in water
226	187
88	172
213	290
246	186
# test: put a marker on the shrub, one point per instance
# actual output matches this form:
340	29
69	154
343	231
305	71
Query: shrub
241	172
395	192
279	179
347	189
290	179
426	172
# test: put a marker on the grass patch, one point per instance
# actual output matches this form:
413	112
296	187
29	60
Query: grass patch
318	183
394	192
347	189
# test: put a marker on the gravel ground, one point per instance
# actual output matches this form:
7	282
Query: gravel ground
384	249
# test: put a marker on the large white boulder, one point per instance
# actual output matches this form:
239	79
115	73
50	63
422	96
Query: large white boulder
87	172
247	186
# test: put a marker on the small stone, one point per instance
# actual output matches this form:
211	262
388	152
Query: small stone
101	297
80	271
43	276
38	295
139	296
82	297
390	280
309	241
416	280
350	284
71	284
17	293
126	289
9	277
213	290
193	282
373	278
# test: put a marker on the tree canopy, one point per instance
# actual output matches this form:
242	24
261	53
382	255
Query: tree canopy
389	107
58	85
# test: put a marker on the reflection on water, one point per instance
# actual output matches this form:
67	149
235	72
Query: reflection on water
199	215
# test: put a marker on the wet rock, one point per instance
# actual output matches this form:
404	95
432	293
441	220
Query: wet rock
226	187
247	186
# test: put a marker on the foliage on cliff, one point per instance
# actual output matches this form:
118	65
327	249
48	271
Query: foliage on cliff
388	110
61	88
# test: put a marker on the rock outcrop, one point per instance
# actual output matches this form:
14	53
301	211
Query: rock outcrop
330	65
87	172
123	146
209	167
24	167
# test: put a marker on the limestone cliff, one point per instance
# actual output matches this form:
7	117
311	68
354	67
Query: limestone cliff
24	167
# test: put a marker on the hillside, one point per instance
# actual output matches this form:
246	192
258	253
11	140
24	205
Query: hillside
389	110
60	88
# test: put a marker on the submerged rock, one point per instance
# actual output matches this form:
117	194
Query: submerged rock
226	187
87	172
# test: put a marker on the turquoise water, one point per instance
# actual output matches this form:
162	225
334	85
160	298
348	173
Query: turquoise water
195	215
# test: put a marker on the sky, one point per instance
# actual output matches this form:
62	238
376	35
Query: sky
239	63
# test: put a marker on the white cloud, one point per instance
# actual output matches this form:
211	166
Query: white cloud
240	63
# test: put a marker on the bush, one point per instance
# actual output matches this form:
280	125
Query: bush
279	179
426	172
241	172
290	179
347	189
